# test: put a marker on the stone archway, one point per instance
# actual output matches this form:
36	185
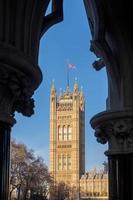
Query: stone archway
22	24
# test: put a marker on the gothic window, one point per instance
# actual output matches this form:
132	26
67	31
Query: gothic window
64	133
69	130
59	133
64	162
69	162
59	162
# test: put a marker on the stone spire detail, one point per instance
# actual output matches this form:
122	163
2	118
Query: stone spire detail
81	92
67	89
61	93
20	75
53	89
53	85
76	87
82	99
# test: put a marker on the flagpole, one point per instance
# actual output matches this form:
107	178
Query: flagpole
67	74
69	66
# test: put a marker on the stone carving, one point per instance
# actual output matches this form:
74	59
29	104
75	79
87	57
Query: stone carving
112	43
22	24
82	101
100	135
118	132
16	91
25	23
64	107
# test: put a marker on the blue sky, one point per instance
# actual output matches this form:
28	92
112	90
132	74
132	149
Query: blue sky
67	40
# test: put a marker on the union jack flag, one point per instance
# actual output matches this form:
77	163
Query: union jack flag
71	66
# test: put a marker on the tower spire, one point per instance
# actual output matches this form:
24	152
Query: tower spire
67	75
81	92
76	86
53	89
60	93
82	99
53	85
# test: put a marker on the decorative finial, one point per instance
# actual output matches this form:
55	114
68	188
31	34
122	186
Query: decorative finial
53	89
82	99
53	83
60	92
95	170
76	79
81	91
67	89
75	86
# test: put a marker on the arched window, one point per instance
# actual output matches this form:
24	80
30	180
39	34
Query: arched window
60	133
64	133
69	162
64	162
69	132
59	163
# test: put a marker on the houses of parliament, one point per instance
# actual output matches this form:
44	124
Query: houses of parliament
67	145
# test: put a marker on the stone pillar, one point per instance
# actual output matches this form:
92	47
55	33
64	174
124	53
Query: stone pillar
22	24
110	25
117	130
4	159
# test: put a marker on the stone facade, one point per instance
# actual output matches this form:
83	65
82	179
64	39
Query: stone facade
67	137
67	144
94	184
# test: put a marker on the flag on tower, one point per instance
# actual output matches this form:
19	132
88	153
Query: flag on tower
71	66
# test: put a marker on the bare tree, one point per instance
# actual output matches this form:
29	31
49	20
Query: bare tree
29	174
60	191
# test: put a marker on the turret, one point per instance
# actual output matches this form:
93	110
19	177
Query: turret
82	99
67	90
53	91
53	103
75	91
61	93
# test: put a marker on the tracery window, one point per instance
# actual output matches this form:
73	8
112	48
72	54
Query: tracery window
69	162
64	133
69	132
64	162
59	133
59	163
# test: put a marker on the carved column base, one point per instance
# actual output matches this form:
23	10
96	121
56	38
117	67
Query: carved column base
5	130
116	128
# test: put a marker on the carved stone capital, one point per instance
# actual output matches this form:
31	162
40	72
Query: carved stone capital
116	128
15	95
21	28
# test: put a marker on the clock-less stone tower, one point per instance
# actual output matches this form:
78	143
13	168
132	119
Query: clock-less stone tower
67	135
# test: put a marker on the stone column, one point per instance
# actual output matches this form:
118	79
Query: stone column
117	130
110	25
4	159
22	24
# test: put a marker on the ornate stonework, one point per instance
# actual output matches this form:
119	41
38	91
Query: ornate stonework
67	140
21	30
116	129
110	24
94	184
15	95
22	24
67	145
